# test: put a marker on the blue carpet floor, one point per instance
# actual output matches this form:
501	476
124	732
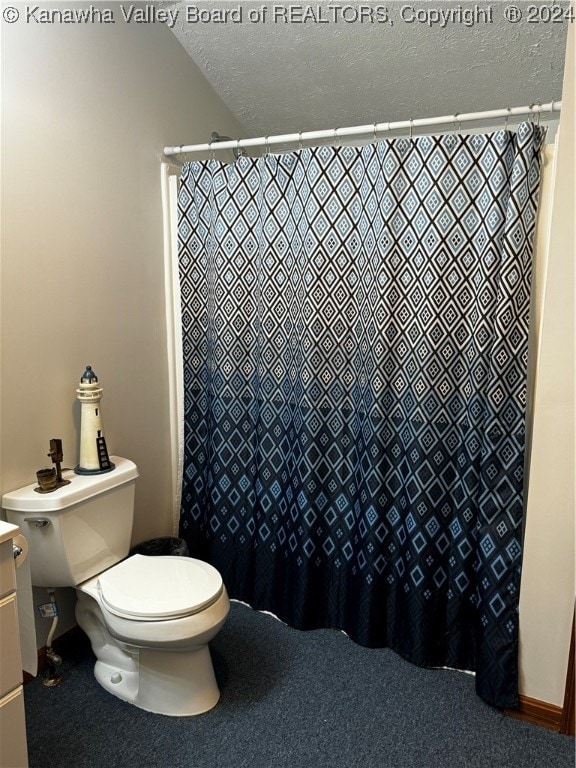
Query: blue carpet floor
289	699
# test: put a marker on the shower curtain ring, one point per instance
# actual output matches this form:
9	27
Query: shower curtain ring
300	145
211	151
507	118
411	127
267	152
336	137
375	133
539	105
457	123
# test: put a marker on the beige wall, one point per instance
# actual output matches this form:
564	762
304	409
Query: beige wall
547	590
86	110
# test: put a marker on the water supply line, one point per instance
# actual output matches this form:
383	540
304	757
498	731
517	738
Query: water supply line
53	660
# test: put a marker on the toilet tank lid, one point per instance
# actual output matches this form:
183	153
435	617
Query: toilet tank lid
81	488
148	588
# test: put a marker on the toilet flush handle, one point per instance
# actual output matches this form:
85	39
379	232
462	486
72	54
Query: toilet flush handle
39	522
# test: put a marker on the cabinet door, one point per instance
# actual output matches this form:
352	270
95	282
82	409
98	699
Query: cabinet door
13	750
10	658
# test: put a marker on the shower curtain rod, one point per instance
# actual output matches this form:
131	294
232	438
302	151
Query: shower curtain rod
363	131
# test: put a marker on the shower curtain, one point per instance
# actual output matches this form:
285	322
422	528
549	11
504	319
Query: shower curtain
355	325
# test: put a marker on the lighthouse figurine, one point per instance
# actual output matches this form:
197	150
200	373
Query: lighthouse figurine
93	452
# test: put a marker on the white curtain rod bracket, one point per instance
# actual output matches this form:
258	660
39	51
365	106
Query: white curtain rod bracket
363	131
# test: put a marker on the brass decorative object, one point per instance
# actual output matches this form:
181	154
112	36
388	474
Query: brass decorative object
51	479
46	480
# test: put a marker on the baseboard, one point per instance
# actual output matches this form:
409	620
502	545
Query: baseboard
538	713
67	644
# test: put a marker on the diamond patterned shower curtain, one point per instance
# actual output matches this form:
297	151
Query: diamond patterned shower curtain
355	325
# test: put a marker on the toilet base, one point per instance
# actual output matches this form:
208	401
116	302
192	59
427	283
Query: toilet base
179	684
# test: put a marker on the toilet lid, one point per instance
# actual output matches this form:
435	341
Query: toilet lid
156	588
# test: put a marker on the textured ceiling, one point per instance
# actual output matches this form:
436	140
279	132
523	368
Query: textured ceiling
290	75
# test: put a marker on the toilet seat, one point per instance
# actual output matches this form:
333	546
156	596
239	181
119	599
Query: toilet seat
144	588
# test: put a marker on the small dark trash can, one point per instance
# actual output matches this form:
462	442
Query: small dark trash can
165	545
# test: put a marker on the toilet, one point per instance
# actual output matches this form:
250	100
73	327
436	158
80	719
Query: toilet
149	619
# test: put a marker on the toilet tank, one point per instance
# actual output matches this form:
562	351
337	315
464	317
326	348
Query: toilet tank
78	530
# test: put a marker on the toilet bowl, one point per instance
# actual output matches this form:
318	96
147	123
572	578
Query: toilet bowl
149	619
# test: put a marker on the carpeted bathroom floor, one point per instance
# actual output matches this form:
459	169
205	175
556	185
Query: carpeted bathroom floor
289	699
